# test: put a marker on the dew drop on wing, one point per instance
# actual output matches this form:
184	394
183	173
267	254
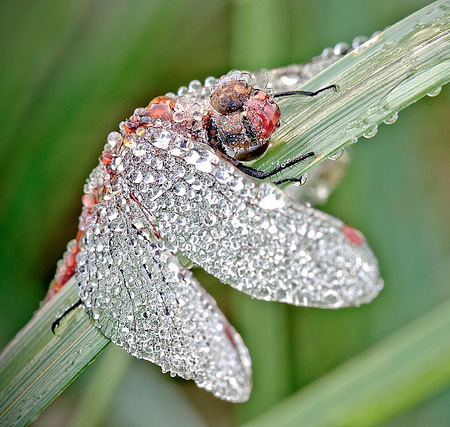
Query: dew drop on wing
263	240
164	316
247	234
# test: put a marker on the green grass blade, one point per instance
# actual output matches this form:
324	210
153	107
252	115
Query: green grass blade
110	372
400	371
389	72
38	365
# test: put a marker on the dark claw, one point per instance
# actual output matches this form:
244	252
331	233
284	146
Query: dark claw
303	92
255	173
298	179
55	324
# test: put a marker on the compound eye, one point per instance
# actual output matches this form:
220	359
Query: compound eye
230	96
264	113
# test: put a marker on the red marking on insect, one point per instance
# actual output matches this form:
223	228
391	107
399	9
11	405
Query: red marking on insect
67	269
129	127
107	156
131	124
229	335
89	200
69	266
161	107
353	235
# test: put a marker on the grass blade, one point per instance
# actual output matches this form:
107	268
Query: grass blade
38	365
393	375
389	72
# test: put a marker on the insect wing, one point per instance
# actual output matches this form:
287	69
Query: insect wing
145	301
247	234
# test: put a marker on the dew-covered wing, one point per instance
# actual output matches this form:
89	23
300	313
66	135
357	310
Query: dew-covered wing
248	234
141	298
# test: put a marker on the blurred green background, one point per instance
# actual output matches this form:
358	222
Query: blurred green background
71	71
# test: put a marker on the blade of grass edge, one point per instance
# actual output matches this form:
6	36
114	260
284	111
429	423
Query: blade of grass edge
402	369
38	365
93	407
392	70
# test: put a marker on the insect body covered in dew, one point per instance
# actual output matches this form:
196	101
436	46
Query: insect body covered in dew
170	183
242	120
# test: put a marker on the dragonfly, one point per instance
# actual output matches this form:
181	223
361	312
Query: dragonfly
171	190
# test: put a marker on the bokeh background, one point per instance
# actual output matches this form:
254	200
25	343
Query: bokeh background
71	71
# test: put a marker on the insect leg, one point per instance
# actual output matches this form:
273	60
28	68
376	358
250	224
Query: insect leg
297	179
55	324
255	173
303	92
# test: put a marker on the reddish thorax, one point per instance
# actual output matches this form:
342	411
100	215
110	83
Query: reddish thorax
161	107
233	101
242	120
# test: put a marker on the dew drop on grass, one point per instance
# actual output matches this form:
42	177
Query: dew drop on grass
371	133
337	154
435	92
391	119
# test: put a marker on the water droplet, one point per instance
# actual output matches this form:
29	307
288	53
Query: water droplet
391	119
358	41
210	81
136	176
371	133
435	92
341	48
327	52
337	154
195	86
114	138
289	79
183	90
353	140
